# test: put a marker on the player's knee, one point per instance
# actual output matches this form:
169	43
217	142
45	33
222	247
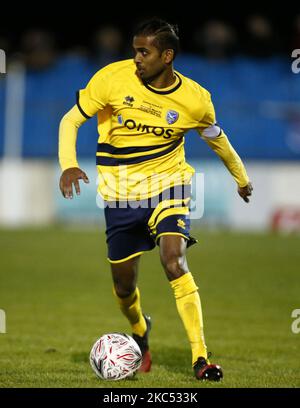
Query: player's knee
124	278
174	267
123	291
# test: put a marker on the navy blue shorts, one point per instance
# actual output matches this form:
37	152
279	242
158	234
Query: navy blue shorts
135	227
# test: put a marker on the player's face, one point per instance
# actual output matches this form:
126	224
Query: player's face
150	62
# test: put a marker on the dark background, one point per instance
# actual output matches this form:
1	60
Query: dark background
248	73
73	24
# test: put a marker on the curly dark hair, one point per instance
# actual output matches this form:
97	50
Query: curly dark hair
165	34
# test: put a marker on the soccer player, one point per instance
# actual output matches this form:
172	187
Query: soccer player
144	107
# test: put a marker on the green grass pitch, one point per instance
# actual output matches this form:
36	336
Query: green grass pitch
56	290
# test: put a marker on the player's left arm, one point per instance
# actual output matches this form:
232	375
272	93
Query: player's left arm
223	148
217	140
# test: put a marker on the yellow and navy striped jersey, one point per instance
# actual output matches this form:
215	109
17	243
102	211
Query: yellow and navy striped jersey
141	130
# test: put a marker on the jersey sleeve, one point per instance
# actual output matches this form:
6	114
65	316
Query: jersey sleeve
208	126
94	97
68	129
223	148
217	140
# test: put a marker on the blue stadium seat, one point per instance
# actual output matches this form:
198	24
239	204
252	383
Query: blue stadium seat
255	100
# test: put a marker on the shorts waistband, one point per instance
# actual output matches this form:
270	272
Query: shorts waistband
180	192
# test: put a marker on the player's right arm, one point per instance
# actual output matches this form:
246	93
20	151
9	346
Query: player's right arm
90	100
71	173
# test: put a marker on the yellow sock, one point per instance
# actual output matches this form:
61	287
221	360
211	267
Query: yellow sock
189	308
131	308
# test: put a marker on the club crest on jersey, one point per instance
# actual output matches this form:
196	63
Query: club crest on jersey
172	116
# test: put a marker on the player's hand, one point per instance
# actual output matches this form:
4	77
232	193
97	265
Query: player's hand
68	178
245	192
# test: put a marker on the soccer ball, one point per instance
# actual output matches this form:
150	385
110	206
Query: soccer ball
115	356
